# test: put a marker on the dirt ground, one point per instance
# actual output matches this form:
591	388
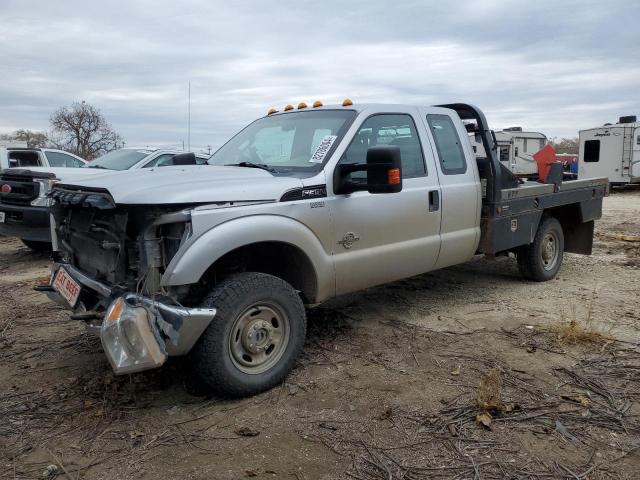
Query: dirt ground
468	372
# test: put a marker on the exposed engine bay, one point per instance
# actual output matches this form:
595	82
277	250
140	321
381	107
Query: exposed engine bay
112	258
125	247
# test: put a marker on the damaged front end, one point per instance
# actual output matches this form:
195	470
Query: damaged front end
109	261
138	333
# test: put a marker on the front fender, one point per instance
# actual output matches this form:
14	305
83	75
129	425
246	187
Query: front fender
190	263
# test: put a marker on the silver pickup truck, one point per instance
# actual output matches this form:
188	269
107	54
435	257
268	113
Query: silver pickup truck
218	261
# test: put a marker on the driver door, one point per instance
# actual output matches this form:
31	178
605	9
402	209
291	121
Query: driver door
379	238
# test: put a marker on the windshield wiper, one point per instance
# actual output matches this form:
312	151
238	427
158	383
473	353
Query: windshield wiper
97	166
252	165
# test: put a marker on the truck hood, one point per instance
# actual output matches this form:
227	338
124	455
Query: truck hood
188	184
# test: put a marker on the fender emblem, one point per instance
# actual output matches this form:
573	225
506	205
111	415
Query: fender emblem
348	240
514	224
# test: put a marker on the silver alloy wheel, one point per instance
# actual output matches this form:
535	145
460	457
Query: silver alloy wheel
259	337
550	250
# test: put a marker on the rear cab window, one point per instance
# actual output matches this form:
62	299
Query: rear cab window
24	158
448	145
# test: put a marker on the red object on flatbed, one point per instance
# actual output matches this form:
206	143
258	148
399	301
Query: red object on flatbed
545	158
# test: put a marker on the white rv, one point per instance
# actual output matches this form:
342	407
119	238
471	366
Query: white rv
516	149
611	151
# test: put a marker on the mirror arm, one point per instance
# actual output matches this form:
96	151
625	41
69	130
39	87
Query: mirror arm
348	168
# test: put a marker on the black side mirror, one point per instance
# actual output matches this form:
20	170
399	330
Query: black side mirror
384	172
188	158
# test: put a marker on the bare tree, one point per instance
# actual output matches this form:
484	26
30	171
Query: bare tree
32	138
566	145
82	129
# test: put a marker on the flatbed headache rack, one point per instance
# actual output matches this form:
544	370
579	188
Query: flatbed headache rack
512	209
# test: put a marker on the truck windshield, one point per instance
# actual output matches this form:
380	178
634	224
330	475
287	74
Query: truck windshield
118	159
293	142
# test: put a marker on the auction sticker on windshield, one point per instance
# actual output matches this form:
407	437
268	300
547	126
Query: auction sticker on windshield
323	149
66	286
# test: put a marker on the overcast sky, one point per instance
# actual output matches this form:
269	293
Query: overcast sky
552	66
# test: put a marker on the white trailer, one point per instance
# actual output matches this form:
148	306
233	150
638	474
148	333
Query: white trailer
515	149
611	151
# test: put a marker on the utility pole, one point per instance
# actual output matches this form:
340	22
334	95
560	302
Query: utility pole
189	121
209	149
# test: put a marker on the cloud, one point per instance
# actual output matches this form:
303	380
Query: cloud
549	66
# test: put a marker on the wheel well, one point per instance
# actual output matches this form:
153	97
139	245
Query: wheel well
578	235
279	259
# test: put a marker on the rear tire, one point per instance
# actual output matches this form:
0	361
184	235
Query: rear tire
541	260
255	337
37	246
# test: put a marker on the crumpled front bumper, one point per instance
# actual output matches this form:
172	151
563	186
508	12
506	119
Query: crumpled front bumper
137	332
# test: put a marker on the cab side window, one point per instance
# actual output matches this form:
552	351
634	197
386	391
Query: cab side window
388	129
450	152
59	159
160	161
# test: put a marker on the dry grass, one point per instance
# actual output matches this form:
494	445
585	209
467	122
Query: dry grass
572	331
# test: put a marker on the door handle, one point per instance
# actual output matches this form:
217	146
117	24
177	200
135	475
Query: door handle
434	201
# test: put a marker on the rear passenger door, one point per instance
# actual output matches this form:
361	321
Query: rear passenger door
459	184
384	237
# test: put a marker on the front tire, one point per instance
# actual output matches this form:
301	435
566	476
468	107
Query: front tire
255	337
541	260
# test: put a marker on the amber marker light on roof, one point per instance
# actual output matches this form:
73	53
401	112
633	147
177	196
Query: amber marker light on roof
317	104
288	107
347	102
302	105
271	111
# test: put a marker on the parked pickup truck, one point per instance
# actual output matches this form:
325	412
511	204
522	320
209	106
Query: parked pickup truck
24	204
19	155
218	262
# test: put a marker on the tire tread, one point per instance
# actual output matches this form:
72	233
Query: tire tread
528	256
224	297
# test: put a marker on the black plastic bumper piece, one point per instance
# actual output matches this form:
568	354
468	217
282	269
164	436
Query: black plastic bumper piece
26	222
